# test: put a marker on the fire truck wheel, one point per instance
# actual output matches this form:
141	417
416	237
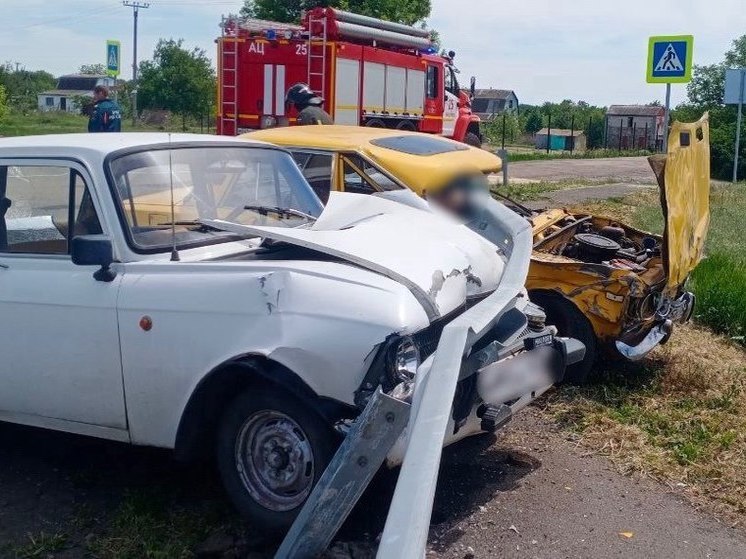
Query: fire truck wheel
406	125
473	140
375	123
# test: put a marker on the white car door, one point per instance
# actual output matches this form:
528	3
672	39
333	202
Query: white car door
60	362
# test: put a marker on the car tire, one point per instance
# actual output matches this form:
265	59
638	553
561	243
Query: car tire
271	452
571	323
473	140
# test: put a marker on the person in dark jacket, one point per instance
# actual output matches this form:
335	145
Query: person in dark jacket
308	105
106	115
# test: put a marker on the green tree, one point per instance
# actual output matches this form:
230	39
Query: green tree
176	79
705	93
707	85
4	108
23	86
408	12
93	69
507	125
533	123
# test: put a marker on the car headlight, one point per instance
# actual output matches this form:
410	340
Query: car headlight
405	359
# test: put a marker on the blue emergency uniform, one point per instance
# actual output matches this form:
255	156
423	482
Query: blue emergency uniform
106	117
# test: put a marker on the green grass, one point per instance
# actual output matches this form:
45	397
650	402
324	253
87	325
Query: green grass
539	155
719	282
680	416
39	545
17	124
149	523
535	190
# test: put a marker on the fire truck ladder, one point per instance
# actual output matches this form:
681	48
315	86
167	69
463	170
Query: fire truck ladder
228	82
317	56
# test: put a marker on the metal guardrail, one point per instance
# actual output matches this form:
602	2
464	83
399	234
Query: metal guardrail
373	435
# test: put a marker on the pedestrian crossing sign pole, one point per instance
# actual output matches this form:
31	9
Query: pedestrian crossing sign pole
669	61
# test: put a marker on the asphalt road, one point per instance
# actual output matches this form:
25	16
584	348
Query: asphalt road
535	494
530	493
618	169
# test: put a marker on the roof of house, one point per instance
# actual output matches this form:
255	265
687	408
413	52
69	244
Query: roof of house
79	81
67	92
561	132
494	93
635	110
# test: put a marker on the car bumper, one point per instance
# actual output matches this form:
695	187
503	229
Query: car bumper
670	313
503	386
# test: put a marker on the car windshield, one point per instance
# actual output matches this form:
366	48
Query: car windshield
190	186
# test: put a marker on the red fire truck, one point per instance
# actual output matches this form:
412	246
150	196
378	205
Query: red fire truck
370	72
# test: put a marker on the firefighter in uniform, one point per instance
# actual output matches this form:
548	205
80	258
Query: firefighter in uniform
308	105
106	115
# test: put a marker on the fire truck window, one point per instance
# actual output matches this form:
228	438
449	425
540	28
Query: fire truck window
354	180
451	81
317	168
432	82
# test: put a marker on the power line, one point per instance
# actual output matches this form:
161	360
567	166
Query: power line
135	5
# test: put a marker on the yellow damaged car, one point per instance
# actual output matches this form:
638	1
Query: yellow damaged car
617	289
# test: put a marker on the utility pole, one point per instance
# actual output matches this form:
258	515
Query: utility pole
135	5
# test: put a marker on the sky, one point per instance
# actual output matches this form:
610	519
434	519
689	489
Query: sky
544	50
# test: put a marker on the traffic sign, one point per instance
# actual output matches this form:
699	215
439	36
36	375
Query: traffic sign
113	49
670	59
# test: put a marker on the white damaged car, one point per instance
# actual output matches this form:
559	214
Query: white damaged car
191	292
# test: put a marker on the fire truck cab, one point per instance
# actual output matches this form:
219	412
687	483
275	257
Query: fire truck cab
370	72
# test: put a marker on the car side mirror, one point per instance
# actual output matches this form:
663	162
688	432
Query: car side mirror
94	250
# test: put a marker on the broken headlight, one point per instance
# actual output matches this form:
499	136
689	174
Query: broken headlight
404	360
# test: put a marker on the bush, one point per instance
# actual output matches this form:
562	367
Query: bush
4	108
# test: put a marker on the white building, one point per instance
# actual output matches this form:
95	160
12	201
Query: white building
69	88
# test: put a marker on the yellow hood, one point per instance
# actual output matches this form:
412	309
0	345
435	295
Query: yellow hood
685	198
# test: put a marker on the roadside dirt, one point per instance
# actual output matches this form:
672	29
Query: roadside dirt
571	197
530	493
618	169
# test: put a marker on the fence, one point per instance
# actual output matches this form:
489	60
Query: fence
625	138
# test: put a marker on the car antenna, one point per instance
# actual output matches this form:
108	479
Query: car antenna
174	252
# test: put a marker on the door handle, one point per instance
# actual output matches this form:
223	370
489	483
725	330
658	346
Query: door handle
4	266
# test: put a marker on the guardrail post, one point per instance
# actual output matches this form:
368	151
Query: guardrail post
362	452
503	155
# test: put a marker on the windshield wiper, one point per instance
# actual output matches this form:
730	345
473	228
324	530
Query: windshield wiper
205	225
526	211
284	212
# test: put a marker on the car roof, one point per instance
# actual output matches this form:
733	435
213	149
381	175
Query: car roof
98	146
419	171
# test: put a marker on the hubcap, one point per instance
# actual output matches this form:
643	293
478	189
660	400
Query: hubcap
274	460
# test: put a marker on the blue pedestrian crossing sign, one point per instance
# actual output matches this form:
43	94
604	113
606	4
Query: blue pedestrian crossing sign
113	49
670	59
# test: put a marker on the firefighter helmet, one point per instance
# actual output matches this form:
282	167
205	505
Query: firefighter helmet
302	95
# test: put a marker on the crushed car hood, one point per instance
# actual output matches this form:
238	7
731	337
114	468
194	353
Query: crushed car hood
439	260
685	197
